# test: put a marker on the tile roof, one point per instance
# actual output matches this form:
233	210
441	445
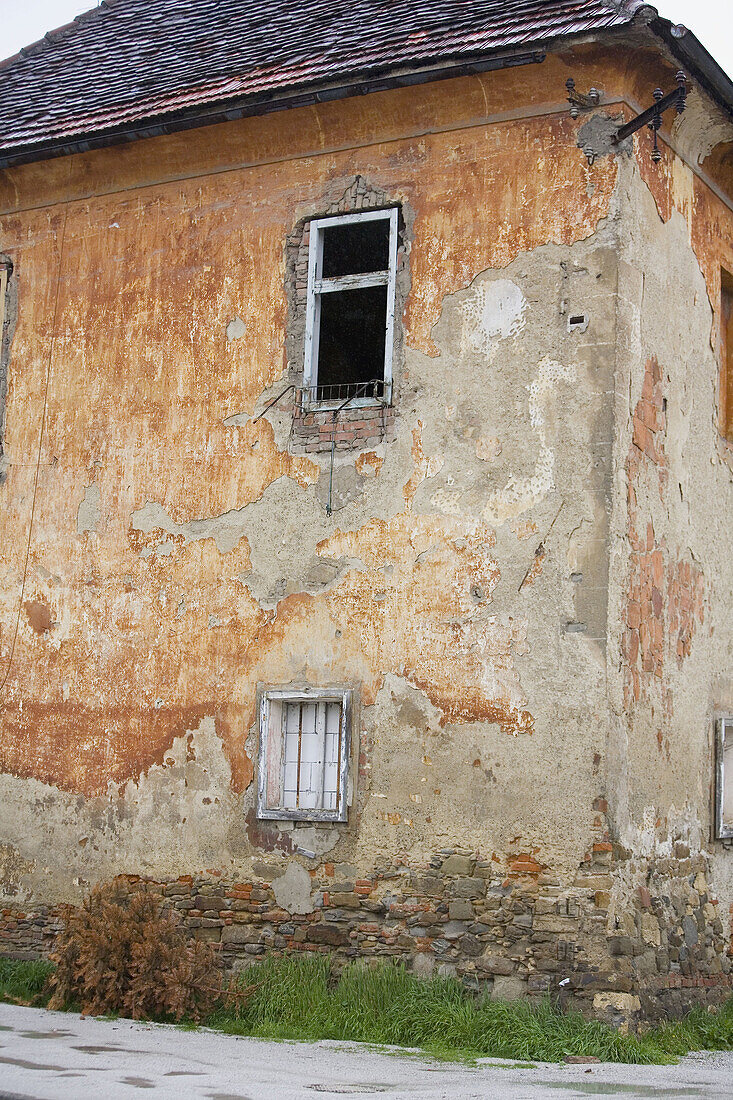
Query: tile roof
131	61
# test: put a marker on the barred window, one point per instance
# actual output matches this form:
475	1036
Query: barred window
304	752
724	778
726	356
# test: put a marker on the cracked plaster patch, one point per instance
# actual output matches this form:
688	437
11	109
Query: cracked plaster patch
492	311
89	512
227	530
520	494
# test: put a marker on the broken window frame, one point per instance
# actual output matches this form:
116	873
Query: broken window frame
317	286
281	696
723	732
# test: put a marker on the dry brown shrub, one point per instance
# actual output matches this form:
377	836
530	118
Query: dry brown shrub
124	955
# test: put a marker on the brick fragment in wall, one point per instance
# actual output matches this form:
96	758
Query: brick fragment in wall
665	594
661	941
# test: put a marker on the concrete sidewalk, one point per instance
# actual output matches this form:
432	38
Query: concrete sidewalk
61	1056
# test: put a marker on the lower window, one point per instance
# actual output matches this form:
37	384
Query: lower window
304	754
724	778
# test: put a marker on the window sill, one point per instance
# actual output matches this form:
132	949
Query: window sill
315	817
356	403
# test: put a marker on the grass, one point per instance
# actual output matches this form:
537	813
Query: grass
300	998
24	982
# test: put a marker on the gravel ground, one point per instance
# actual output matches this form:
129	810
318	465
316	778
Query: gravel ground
63	1056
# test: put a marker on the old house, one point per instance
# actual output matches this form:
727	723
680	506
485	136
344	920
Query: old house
366	486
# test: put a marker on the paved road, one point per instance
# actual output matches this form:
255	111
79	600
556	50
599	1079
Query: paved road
61	1056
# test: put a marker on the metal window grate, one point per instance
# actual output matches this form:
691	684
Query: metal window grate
312	745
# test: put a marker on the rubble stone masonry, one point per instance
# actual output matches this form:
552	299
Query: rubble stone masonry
621	955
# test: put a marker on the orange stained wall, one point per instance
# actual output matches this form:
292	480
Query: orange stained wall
130	262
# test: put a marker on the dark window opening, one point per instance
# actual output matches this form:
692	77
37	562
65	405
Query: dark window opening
351	294
355	249
351	343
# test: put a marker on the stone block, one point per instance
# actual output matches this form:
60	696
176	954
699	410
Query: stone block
458	865
469	888
690	929
239	933
508	988
209	901
497	964
650	929
557	925
427	885
460	910
208	935
329	934
620	1010
346	900
423	965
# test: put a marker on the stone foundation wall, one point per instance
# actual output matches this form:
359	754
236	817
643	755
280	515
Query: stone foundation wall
616	950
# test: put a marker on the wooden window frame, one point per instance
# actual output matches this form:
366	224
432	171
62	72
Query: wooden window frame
265	809
723	731
317	286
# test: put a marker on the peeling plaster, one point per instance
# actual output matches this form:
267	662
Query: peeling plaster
520	494
226	530
701	127
293	890
236	329
89	512
176	817
493	311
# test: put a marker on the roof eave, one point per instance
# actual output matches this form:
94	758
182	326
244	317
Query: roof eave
260	104
697	61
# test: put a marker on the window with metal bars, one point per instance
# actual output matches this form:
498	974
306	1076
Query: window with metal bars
304	752
724	777
352	267
726	364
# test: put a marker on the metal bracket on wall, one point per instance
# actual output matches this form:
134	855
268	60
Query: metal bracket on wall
652	117
579	102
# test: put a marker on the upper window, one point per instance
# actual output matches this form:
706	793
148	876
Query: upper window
352	263
304	754
724	778
726	364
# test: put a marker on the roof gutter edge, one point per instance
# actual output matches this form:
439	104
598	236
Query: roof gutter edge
690	51
230	110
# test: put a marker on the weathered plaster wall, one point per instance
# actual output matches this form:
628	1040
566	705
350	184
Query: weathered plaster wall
670	640
180	553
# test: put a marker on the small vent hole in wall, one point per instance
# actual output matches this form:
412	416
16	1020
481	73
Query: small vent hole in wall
577	322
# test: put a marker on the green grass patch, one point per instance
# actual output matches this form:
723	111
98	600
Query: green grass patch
383	1006
24	982
300	998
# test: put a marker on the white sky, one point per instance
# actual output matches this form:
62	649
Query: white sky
25	21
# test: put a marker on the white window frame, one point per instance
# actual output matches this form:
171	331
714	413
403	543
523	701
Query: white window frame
3	292
318	286
723	731
343	696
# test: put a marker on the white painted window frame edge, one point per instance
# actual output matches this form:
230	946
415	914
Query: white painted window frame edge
722	831
317	286
300	695
3	295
